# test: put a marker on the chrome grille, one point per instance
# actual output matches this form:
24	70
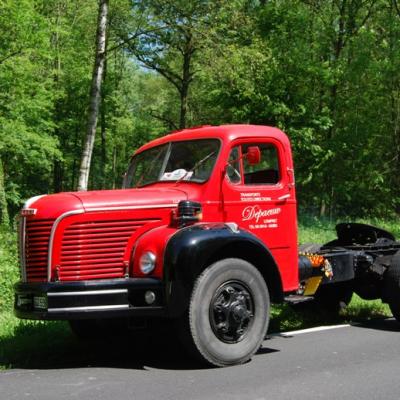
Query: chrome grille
37	234
95	249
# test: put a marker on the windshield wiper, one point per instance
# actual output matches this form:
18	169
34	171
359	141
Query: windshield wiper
195	166
153	163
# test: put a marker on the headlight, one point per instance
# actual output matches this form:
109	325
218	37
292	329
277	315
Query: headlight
147	262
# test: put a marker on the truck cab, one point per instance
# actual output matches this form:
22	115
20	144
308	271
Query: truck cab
210	165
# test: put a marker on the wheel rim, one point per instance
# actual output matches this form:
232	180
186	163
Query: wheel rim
231	311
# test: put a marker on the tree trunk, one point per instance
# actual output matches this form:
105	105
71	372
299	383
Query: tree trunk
103	129
58	167
103	145
186	79
95	95
4	217
114	166
58	176
183	95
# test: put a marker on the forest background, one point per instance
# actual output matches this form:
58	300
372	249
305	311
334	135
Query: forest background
327	72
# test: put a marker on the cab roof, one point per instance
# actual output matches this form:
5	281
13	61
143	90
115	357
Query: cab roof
226	133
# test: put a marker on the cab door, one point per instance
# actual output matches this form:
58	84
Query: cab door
260	198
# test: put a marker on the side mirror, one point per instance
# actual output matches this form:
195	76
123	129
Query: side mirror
253	155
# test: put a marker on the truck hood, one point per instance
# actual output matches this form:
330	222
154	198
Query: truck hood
130	198
52	206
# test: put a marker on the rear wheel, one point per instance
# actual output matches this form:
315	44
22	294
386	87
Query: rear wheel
334	296
228	313
395	309
392	286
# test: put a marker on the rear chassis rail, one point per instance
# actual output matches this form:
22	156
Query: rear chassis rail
349	261
365	267
364	255
389	248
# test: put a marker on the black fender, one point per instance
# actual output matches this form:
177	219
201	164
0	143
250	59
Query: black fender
190	250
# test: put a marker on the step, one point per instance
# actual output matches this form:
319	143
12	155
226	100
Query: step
296	299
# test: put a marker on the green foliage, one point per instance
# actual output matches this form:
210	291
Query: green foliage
318	70
26	101
360	309
9	273
33	343
327	72
315	230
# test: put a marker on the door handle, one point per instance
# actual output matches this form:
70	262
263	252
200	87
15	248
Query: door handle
284	197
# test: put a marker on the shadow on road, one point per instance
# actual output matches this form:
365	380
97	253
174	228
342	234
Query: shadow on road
388	324
53	346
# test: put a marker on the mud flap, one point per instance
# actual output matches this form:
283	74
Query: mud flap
312	285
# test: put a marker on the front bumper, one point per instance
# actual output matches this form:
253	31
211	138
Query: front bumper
89	299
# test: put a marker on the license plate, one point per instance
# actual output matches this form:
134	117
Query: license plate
40	302
23	300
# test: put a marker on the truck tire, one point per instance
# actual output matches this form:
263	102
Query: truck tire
228	313
391	288
331	297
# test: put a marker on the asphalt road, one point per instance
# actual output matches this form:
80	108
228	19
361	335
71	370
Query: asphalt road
354	362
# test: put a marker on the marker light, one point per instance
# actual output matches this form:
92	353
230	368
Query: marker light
188	212
28	211
149	297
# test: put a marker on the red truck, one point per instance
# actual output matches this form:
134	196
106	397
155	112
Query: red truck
204	233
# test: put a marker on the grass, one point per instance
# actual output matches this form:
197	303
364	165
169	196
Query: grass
39	344
287	318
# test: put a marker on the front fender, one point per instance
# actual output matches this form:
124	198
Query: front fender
190	250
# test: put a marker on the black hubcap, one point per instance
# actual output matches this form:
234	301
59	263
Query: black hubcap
231	311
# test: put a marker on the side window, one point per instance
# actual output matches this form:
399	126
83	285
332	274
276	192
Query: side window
267	171
233	168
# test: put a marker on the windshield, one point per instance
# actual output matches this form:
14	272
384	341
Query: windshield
191	160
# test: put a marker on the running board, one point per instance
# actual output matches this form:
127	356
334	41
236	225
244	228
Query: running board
296	299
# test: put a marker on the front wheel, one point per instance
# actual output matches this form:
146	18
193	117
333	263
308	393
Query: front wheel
228	313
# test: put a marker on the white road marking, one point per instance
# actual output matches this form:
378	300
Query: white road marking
309	330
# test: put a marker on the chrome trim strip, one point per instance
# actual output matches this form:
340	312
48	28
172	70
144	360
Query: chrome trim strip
52	234
30	201
90	308
87	292
22	247
132	207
